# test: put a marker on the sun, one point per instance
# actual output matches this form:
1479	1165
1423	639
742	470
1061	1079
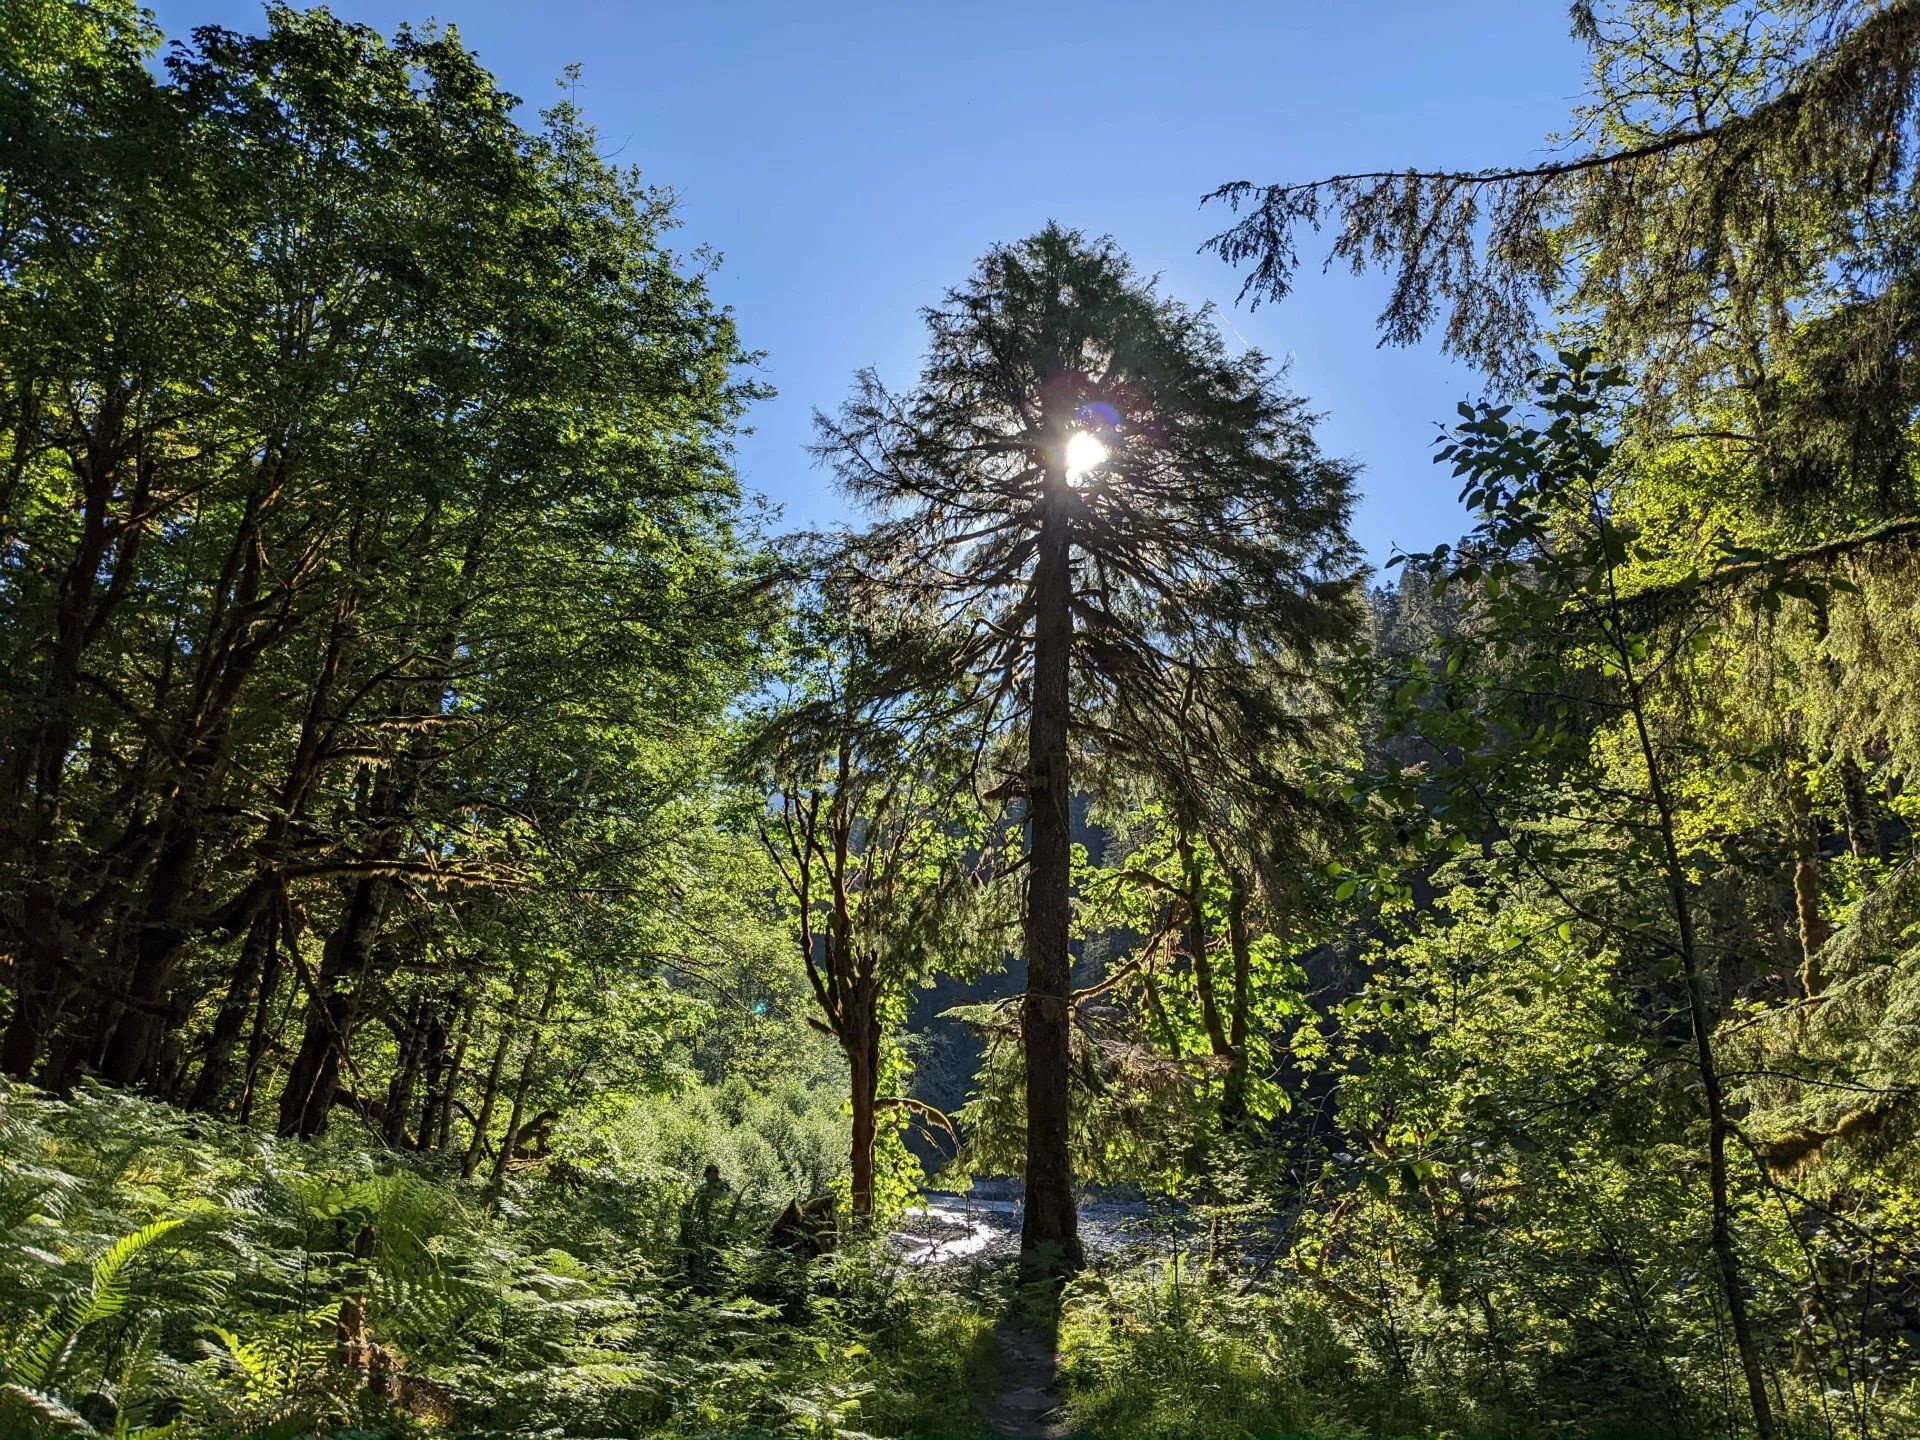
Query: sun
1084	453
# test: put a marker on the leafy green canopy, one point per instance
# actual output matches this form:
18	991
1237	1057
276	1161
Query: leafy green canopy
374	580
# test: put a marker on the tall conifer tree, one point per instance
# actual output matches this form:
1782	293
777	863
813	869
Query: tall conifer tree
1123	532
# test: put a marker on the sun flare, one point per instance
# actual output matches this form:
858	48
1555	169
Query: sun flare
1084	453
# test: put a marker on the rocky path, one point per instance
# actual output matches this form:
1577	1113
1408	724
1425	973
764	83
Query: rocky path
1026	1403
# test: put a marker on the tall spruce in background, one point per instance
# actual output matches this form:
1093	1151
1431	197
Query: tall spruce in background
1109	516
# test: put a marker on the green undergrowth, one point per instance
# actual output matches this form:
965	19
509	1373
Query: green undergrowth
162	1274
1161	1350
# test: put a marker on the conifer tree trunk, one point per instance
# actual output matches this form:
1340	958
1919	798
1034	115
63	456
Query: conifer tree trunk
1233	1102
1049	1225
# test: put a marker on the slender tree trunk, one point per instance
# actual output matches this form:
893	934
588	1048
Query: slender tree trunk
302	769
406	1077
439	1060
434	1050
42	978
476	1143
346	963
1156	1007
1805	838
442	1103
82	606
133	1032
236	636
1050	1224
35	1007
860	1069
260	1036
307	1098
1863	829
1197	956
512	1137
216	1066
1725	1253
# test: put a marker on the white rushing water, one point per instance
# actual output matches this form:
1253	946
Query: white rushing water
945	1229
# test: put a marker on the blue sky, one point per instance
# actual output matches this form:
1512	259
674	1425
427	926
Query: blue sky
851	160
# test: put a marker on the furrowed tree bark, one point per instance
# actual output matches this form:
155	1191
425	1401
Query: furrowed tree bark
1049	1223
1233	1101
863	1056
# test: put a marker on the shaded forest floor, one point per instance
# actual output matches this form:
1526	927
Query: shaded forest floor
1026	1402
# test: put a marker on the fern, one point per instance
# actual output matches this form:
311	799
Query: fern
43	1409
36	1362
539	1310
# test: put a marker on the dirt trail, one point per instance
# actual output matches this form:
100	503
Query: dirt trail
1026	1401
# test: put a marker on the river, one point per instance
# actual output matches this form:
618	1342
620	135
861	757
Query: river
946	1229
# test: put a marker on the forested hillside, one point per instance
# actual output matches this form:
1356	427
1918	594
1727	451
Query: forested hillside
499	936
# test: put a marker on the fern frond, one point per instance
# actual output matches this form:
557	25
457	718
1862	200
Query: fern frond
46	1409
108	1293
